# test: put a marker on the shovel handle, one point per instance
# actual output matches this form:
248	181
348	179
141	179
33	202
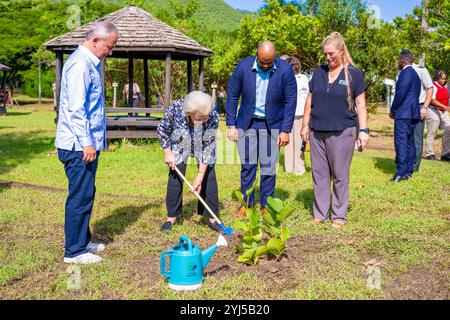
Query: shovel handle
197	195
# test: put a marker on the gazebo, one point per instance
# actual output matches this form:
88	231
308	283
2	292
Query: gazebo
141	36
3	102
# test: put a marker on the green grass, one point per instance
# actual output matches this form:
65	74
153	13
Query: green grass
403	226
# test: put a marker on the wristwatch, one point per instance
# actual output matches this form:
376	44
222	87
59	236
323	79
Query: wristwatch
365	130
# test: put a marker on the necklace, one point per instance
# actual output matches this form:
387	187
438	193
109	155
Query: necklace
334	74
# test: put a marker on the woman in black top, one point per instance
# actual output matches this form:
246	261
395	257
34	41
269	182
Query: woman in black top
335	105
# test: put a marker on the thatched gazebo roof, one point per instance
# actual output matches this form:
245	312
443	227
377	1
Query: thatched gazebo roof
140	33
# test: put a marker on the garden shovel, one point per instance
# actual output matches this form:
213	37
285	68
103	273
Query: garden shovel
227	230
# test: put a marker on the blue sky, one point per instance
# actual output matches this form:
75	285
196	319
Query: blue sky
389	9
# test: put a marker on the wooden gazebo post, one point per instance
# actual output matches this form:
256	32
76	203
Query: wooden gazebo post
201	65
146	92
130	81
168	88
189	76
59	68
3	106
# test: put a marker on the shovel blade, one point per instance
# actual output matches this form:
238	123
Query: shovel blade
227	230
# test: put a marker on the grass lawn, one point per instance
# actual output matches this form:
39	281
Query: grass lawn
404	226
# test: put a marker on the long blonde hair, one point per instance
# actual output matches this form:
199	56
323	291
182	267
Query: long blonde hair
338	40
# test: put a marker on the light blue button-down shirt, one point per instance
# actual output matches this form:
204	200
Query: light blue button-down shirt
262	83
82	119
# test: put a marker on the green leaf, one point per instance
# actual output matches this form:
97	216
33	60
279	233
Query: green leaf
257	234
245	260
275	203
237	195
249	191
247	256
249	253
247	240
285	234
275	231
253	216
241	225
275	246
268	219
261	250
285	213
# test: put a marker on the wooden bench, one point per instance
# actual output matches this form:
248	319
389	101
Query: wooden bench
129	126
135	110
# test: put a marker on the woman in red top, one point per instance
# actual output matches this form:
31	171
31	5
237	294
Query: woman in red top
437	117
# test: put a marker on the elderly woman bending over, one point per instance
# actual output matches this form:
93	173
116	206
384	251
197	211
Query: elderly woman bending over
189	129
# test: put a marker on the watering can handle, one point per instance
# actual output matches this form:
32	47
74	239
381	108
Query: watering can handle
187	240
163	263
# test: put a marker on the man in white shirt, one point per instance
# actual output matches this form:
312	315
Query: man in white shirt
426	94
81	135
294	158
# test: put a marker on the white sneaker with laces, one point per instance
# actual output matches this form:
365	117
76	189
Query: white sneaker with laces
85	258
95	247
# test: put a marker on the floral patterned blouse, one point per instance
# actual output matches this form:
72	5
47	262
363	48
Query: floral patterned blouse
175	133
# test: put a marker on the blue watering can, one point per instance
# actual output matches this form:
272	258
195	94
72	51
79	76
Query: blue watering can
187	263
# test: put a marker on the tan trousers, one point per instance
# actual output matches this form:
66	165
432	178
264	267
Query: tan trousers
436	120
294	159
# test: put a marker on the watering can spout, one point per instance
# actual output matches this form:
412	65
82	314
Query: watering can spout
208	253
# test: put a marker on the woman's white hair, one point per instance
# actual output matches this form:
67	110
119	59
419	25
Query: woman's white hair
102	30
198	102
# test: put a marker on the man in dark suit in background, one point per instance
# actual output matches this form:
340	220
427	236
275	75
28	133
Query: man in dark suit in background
262	125
405	111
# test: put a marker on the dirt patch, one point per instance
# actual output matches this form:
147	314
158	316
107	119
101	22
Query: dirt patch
280	274
419	284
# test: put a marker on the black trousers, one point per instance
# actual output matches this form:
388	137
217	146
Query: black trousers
209	192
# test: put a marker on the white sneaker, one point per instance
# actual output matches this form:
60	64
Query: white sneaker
95	247
85	258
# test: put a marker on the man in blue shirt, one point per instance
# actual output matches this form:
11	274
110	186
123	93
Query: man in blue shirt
81	135
265	117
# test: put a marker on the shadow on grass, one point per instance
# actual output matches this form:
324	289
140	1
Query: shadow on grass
386	165
116	224
15	114
4	186
306	197
19	148
27	102
190	209
279	193
220	269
